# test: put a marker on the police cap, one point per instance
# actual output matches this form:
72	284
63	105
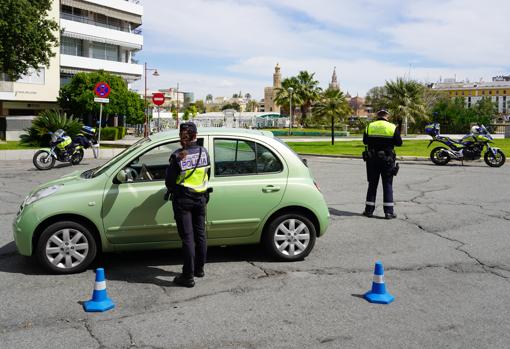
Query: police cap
382	113
188	126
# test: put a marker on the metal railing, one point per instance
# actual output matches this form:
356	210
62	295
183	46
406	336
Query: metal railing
91	21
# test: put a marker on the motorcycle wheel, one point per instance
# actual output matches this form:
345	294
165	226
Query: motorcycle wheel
43	160
439	157
77	157
494	160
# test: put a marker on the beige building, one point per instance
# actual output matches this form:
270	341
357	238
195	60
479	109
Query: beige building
498	90
270	92
95	34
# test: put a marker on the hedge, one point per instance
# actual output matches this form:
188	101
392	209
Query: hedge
122	132
109	133
311	133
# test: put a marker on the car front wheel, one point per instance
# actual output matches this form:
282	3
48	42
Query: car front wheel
290	237
66	247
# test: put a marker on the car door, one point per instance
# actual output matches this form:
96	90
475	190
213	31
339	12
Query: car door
249	180
135	211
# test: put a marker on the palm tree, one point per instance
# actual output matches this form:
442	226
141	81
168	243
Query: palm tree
332	105
247	96
405	101
209	98
252	105
283	95
308	91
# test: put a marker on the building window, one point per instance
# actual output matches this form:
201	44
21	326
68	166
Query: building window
490	92
71	46
105	51
483	92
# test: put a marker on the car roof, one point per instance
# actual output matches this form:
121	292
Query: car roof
223	131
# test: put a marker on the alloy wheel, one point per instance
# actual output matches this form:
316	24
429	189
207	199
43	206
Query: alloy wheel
291	237
67	248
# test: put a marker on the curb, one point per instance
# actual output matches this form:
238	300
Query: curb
28	154
401	158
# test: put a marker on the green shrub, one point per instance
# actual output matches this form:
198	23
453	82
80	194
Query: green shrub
109	134
50	121
121	132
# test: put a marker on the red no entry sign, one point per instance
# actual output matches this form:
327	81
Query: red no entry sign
102	89
158	98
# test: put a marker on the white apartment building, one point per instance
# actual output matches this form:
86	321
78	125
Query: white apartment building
96	34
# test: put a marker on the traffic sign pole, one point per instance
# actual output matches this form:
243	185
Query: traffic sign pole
102	91
99	134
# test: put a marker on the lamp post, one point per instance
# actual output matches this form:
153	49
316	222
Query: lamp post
290	90
145	130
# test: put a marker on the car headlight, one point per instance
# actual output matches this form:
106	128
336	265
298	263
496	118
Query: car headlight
42	193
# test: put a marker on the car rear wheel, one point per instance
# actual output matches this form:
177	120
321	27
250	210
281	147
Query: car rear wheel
290	237
66	247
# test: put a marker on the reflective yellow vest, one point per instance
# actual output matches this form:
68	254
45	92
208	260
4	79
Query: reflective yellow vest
381	129
194	179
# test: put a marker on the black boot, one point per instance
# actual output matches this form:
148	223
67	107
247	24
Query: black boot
390	215
199	273
184	280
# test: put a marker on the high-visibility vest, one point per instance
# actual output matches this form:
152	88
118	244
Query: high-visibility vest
381	129
194	176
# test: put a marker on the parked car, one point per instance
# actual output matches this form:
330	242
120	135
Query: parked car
262	192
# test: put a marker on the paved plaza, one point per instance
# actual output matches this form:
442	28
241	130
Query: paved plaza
446	259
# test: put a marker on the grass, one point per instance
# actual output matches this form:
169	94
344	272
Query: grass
14	145
354	148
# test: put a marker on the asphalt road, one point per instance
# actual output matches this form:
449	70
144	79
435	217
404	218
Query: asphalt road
446	259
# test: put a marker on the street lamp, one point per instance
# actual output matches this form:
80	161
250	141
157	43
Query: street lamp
145	130
290	90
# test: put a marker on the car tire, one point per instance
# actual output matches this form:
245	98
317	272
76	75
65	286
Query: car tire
66	247
290	237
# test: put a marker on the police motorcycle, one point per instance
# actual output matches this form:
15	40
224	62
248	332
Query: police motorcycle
468	148
62	148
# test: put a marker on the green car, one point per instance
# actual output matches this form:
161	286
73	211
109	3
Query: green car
262	192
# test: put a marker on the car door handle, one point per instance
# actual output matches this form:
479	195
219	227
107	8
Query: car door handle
270	188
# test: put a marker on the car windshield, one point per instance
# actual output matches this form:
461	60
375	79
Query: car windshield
102	169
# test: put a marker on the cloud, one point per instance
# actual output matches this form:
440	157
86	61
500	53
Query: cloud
369	41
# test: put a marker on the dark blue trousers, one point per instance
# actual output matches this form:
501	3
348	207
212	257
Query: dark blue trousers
379	168
189	214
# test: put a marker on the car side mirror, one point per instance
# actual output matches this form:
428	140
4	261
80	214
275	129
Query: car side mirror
121	177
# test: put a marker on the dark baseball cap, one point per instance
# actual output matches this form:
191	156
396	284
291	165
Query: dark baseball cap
188	126
382	112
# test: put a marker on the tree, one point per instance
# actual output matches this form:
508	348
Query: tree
376	98
247	96
209	98
50	121
404	100
233	105
27	36
333	106
308	91
283	96
200	106
77	97
252	105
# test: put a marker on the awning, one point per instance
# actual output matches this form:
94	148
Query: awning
104	10
74	71
102	40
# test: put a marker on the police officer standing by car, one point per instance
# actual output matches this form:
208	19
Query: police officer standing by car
186	181
380	137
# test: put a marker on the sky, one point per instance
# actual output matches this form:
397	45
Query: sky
224	47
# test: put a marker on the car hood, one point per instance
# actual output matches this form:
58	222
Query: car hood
66	179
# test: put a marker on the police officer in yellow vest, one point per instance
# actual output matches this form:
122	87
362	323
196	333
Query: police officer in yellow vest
186	181
380	137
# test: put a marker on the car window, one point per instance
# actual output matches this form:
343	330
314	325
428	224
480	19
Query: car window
151	165
233	157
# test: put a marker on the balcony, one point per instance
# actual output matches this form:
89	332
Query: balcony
86	31
76	63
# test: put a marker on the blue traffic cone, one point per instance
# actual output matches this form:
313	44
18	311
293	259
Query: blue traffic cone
378	293
100	301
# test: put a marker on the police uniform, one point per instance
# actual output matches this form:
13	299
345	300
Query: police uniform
380	137
186	181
